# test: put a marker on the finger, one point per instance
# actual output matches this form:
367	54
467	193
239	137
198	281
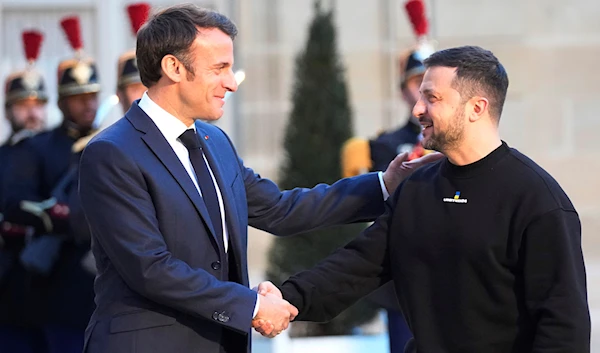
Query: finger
269	287
428	158
293	311
266	330
265	326
262	332
421	161
263	288
281	325
272	335
400	158
275	333
434	156
275	297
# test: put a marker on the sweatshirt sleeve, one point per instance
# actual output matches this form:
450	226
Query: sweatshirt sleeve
555	283
350	273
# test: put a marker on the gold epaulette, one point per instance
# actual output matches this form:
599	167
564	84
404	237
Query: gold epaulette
356	157
80	144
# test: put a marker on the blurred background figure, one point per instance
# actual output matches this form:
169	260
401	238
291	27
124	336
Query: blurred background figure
25	109
360	155
42	185
25	101
129	85
25	96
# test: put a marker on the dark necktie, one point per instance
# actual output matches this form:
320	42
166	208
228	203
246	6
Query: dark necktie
205	182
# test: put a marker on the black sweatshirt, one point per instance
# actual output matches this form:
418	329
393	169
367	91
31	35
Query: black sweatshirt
485	258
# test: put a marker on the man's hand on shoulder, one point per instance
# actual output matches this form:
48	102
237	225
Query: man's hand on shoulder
400	168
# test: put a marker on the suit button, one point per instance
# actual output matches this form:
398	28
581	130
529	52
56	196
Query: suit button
221	317
216	265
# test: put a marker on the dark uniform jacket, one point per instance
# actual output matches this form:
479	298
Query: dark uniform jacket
13	279
46	167
389	144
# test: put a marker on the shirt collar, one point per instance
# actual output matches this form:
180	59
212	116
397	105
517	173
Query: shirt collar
169	126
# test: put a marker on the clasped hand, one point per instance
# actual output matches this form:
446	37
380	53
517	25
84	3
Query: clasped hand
274	313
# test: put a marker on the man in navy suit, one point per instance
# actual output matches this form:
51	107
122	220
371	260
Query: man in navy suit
168	202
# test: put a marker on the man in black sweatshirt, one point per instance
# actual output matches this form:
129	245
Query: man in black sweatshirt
484	245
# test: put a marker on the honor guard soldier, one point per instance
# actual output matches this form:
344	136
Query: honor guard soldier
43	189
24	101
25	109
129	84
361	155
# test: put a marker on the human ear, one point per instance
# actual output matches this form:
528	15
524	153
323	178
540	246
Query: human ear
171	67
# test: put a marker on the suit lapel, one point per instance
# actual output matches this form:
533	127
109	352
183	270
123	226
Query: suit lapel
231	216
157	143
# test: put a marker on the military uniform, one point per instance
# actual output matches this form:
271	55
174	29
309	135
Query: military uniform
128	72
43	195
21	86
128	75
16	309
19	316
367	155
389	144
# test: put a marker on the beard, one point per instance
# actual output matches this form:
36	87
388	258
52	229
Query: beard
34	123
442	141
30	122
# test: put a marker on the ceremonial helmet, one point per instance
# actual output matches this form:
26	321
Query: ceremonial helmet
76	75
29	83
411	61
127	69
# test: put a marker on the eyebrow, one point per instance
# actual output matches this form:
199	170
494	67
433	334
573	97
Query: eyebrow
222	64
429	91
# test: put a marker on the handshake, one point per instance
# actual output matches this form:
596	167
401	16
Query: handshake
274	313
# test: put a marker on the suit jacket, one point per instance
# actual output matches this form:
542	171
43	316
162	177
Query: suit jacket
162	284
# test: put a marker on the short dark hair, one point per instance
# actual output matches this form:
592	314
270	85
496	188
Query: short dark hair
173	31
478	72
